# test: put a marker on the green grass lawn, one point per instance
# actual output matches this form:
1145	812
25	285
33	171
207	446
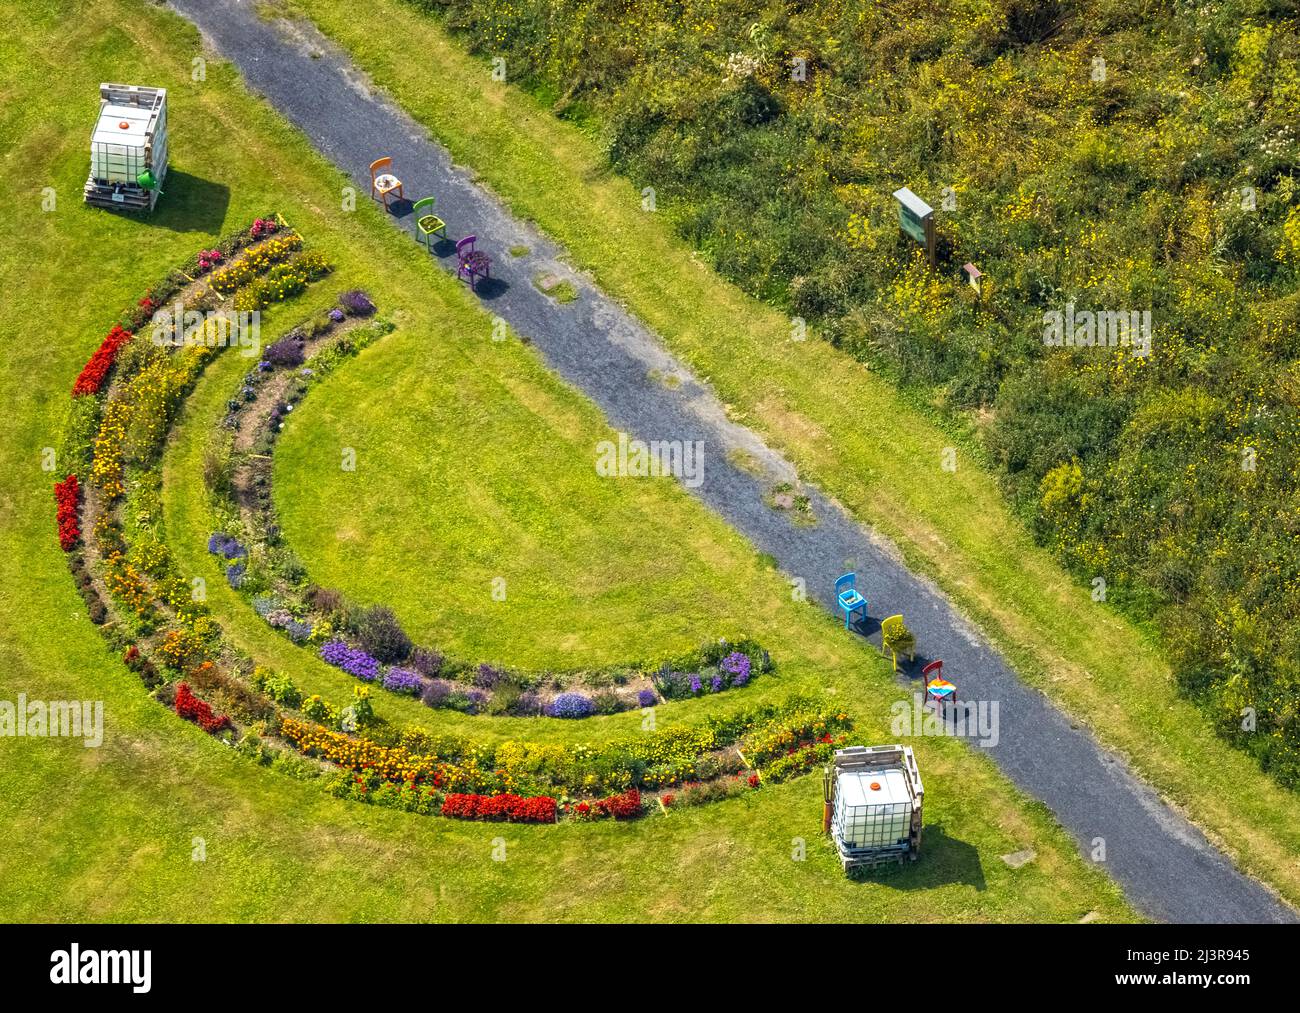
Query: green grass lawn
885	466
473	466
108	833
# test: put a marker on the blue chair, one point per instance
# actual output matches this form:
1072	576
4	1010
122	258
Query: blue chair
846	593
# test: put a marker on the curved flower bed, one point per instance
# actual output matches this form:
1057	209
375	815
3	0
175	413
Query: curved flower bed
618	769
166	635
67	496
191	708
369	643
95	371
515	808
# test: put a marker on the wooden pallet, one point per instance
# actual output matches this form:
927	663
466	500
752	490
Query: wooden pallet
120	195
131	95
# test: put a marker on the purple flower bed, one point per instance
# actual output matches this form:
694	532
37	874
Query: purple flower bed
733	671
737	665
435	693
287	351
426	661
529	704
488	676
356	303
403	680
221	545
571	705
647	698
350	659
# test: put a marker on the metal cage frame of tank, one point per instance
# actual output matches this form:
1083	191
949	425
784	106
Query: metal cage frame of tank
866	760
126	193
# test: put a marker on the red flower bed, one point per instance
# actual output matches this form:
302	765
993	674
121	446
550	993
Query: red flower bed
191	708
622	807
92	374
263	227
67	494
515	808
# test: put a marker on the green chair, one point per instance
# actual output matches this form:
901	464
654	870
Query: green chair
428	225
896	638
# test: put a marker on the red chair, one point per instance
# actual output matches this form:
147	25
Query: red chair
937	688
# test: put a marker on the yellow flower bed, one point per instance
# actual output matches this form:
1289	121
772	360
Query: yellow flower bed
255	262
127	584
390	763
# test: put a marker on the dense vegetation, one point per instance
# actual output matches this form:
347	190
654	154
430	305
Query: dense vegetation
1118	156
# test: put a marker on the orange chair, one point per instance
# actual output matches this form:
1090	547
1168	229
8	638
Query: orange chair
383	182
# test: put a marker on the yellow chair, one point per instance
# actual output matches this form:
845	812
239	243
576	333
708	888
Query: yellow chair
896	638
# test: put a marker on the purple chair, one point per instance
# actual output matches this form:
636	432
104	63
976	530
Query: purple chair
472	263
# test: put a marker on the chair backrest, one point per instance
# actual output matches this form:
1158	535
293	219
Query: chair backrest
935	666
379	165
845	583
468	241
892	627
423	202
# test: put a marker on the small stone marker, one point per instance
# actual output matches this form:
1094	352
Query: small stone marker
548	282
1018	858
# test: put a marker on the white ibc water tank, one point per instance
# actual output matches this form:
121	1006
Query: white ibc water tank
131	134
873	809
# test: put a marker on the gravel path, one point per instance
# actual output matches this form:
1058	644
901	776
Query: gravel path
1165	865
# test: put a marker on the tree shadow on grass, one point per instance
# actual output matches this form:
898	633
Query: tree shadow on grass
187	203
943	860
